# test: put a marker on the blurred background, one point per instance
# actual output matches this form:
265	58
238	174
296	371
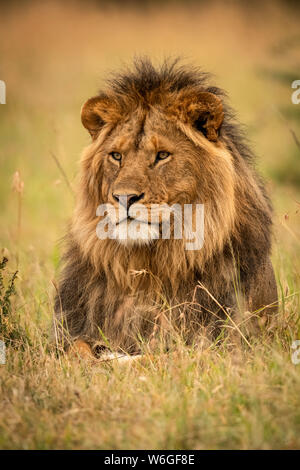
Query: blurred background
55	55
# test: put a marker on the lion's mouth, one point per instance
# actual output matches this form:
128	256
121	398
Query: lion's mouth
130	219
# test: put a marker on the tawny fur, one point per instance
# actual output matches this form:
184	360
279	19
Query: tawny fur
125	293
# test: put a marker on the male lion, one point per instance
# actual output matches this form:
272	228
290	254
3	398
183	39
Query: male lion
164	136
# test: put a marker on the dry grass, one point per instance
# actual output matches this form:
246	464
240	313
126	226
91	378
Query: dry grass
53	57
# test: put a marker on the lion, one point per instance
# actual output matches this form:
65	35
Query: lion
164	136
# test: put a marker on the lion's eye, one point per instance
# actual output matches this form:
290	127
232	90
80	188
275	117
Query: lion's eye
116	156
162	155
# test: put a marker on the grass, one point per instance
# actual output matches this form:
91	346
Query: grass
53	58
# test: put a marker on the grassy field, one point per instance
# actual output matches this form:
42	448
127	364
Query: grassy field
53	58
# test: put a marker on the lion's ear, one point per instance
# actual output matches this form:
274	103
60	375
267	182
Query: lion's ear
95	113
205	112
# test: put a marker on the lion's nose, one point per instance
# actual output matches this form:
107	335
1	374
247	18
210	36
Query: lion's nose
126	200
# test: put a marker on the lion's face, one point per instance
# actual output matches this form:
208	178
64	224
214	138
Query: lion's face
148	165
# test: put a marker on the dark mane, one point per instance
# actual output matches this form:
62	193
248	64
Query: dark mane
145	83
144	77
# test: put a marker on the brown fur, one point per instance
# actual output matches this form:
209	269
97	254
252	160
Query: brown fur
133	291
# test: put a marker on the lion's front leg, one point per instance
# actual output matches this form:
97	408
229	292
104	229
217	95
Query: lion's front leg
81	349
